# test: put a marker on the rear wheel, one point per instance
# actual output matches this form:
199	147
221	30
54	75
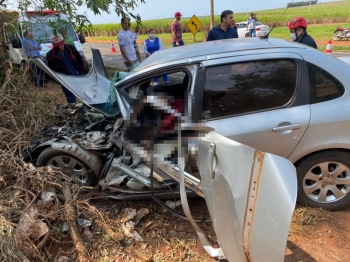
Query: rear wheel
67	164
324	180
337	36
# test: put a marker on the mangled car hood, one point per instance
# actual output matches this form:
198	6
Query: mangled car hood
94	89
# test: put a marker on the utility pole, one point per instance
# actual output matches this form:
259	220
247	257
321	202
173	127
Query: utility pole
211	14
309	6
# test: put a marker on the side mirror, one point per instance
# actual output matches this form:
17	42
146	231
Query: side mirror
16	43
82	38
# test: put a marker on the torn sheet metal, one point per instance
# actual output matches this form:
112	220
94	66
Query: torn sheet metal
250	195
95	87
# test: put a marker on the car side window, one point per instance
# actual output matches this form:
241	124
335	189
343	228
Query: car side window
242	88
323	86
242	26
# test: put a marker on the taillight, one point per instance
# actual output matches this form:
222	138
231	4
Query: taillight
257	28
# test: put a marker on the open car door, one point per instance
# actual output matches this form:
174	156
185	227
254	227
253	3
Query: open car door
250	195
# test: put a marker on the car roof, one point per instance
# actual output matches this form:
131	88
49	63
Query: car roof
191	52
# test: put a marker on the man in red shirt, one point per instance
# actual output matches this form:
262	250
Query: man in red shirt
176	30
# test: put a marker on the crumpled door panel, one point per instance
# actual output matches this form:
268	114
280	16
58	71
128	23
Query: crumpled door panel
250	195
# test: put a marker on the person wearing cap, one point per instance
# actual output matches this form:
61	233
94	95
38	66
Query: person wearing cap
297	27
225	29
65	59
126	41
32	49
176	30
251	23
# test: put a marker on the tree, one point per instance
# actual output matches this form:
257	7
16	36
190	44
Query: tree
122	8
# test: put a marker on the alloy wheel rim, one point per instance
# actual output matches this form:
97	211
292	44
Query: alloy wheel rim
70	167
327	182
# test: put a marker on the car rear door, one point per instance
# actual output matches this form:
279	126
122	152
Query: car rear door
259	100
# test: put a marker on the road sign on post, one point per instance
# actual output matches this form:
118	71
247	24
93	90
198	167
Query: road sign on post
194	25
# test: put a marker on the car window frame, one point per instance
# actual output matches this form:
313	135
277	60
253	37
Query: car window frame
301	93
318	100
149	74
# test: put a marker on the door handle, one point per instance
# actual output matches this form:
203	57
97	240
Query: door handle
284	128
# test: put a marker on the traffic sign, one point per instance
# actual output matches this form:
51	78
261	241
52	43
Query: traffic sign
194	24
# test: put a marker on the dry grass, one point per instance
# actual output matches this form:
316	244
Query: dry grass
309	216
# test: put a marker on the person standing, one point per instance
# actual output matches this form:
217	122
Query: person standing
32	49
297	27
225	29
65	59
126	40
251	23
153	44
136	35
176	30
234	25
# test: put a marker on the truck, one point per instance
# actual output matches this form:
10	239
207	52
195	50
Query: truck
43	24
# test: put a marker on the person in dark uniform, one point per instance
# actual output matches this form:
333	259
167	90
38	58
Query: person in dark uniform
297	27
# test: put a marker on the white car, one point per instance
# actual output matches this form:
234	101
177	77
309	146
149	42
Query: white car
261	29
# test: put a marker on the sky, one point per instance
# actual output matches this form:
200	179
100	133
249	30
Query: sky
158	9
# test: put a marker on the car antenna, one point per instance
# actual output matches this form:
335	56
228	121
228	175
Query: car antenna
267	35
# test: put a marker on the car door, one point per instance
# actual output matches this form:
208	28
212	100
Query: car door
250	196
260	100
241	29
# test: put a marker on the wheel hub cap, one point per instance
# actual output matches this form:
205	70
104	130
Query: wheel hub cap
327	182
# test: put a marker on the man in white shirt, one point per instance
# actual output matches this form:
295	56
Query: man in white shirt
126	40
251	23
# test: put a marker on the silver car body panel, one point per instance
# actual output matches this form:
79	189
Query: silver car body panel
219	47
329	122
92	88
250	196
316	137
258	129
345	59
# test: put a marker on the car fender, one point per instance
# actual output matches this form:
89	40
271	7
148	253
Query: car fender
91	160
30	154
297	155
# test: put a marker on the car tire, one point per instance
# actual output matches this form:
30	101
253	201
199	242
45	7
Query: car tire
67	164
337	36
324	180
246	35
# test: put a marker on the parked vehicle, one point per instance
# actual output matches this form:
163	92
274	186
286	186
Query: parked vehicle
40	23
341	33
261	30
274	95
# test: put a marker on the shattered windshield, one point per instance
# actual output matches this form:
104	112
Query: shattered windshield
43	30
112	107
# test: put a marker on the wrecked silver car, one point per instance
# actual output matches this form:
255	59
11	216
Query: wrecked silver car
131	140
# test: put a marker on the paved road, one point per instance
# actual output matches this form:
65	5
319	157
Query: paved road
111	60
114	60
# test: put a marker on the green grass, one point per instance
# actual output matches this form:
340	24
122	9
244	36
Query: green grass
322	13
324	32
330	15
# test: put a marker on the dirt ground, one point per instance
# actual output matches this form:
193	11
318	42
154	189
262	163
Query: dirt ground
315	235
168	238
